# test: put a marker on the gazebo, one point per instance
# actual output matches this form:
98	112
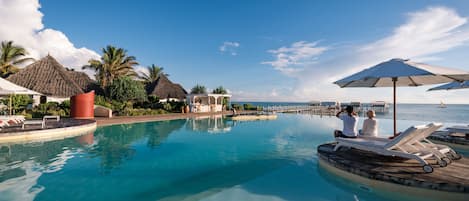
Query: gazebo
207	102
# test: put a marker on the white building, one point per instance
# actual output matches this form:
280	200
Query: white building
207	102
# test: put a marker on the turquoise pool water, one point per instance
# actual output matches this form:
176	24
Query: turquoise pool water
194	159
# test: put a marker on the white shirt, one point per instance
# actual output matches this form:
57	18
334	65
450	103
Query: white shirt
370	127
350	124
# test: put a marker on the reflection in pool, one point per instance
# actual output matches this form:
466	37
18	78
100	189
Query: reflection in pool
183	159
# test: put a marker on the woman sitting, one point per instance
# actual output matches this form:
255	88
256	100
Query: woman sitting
350	120
370	125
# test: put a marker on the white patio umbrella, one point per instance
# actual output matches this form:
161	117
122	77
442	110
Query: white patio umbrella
451	86
9	88
400	72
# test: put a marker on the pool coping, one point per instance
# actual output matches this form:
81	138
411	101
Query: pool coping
48	134
102	122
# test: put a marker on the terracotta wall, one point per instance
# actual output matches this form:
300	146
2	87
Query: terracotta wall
82	106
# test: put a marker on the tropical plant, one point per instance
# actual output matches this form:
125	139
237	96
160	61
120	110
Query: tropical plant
114	63
11	56
198	89
125	89
220	90
153	73
18	102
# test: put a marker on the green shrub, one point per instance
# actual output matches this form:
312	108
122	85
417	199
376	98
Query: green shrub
249	106
19	103
142	112
117	105
125	89
237	106
101	100
51	108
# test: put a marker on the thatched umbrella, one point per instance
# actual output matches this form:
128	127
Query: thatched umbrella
164	88
47	76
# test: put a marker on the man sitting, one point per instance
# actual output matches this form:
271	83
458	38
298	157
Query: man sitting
350	120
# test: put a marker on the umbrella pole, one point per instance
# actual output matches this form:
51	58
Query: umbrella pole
394	80
10	105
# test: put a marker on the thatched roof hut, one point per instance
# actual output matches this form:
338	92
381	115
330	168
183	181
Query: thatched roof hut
163	88
47	76
85	82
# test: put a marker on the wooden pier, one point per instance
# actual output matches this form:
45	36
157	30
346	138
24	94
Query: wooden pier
452	179
320	110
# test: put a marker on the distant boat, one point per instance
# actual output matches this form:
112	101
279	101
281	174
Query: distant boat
442	105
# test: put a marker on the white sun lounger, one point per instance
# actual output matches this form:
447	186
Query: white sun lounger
399	146
441	151
3	123
41	122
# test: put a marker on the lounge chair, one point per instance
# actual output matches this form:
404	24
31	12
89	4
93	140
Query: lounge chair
41	122
12	119
3	124
34	122
399	146
443	152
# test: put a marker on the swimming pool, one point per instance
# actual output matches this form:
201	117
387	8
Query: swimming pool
193	159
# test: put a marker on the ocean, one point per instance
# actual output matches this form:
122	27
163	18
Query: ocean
453	113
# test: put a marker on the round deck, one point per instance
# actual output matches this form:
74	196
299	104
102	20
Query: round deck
394	170
443	136
52	131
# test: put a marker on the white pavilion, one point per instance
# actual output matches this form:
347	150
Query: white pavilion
207	102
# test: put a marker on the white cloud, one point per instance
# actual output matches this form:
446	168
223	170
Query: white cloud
229	47
289	59
424	35
21	22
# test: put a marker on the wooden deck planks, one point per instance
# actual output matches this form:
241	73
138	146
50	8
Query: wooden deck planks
453	178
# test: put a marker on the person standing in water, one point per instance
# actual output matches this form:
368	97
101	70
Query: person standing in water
350	120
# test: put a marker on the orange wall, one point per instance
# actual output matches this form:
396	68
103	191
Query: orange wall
82	106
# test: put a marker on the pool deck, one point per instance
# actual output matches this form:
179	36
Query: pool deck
161	117
453	179
55	130
443	137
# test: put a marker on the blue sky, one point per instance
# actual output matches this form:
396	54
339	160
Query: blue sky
259	50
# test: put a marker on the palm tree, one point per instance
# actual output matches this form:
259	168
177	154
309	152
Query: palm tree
198	89
114	63
11	57
153	74
220	90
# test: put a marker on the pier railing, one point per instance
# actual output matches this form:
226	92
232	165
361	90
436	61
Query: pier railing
321	110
